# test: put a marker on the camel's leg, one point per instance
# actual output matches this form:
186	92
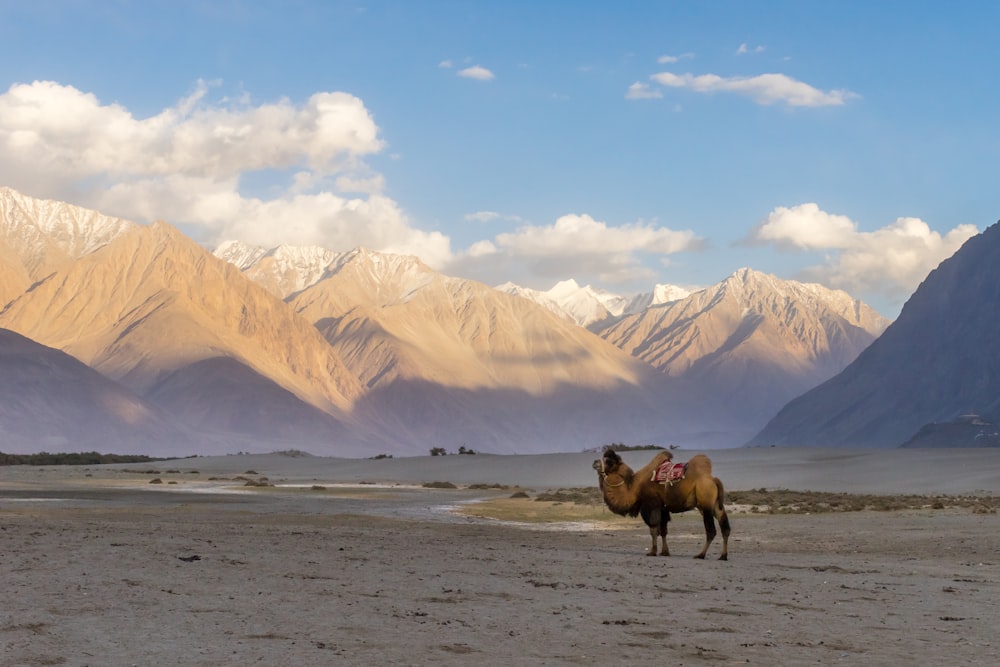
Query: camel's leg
723	519
709	519
664	520
652	518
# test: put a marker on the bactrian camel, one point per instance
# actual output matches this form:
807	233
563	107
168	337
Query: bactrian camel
635	493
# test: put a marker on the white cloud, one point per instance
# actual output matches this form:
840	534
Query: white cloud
446	64
763	89
576	235
483	216
574	245
476	72
665	59
805	227
492	216
642	91
890	261
744	49
185	165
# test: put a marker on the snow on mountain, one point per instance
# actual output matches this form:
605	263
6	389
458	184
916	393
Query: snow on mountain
660	294
283	270
588	305
44	234
287	270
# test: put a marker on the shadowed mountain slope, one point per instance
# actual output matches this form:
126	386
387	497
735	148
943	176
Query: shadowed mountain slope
940	359
50	401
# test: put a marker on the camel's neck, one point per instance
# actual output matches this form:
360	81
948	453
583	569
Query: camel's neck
619	490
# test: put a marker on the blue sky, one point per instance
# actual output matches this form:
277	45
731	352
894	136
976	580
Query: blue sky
620	144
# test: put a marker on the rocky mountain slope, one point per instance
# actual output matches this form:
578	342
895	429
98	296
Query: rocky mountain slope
750	343
939	360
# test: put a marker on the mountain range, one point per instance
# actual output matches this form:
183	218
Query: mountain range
360	353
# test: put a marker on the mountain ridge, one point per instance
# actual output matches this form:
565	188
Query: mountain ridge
360	352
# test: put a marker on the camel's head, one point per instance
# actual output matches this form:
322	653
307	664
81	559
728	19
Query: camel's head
609	463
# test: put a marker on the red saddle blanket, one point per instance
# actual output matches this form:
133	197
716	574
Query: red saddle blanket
669	472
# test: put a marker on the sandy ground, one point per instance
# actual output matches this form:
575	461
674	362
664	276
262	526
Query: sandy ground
100	567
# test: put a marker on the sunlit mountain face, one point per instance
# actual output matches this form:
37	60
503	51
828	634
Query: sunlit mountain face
358	353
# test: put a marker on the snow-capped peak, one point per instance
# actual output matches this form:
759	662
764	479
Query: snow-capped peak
586	305
76	231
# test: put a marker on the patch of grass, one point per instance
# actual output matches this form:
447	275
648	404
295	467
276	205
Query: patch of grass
585	495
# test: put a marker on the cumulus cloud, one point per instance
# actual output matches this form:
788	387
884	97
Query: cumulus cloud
642	91
576	245
476	72
185	165
805	227
744	49
890	261
763	89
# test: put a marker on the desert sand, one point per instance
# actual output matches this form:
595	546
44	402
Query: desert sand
347	562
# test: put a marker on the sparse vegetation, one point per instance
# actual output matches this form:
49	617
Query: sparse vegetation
804	502
439	485
441	451
814	502
71	459
622	447
379	457
586	495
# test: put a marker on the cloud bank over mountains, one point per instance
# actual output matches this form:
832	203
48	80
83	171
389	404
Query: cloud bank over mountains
192	164
893	259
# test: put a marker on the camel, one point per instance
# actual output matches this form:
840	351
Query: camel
631	493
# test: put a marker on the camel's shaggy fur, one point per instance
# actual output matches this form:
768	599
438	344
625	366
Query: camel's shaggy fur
633	493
